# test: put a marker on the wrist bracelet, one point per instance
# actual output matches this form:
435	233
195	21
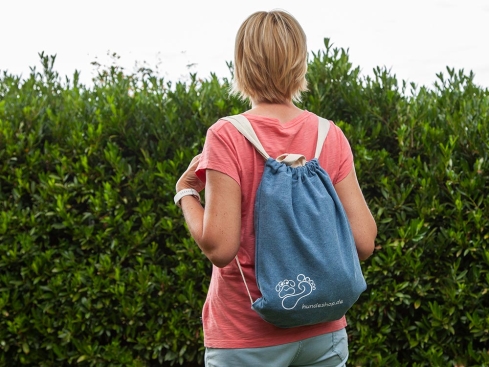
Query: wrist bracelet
185	192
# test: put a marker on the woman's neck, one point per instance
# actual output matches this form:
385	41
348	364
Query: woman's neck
284	112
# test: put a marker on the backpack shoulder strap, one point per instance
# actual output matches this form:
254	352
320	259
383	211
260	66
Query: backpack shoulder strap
323	130
244	127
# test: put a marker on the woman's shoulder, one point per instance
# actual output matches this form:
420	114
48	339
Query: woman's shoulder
222	125
225	131
218	125
333	128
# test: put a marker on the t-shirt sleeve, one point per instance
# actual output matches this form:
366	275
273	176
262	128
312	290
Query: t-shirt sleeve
219	154
344	158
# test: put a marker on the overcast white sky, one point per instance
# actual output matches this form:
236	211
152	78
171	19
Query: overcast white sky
416	38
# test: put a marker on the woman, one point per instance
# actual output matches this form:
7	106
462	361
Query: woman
270	69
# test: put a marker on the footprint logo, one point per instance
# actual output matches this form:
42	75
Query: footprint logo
290	294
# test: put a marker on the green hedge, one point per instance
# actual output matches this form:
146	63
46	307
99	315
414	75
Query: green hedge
97	267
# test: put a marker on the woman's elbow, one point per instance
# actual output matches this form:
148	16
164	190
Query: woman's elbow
366	246
218	255
221	263
364	253
221	260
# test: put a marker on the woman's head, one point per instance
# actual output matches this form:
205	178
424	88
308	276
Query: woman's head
270	58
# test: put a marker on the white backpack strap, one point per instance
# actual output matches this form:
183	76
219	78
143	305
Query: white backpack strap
292	160
244	127
244	280
323	130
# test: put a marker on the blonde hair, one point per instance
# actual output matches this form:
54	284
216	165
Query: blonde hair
270	58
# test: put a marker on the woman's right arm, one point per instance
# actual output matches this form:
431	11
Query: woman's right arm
361	220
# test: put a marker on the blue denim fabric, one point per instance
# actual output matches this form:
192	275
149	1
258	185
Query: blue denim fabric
307	267
327	350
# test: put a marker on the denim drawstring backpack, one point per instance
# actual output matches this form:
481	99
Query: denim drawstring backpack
306	264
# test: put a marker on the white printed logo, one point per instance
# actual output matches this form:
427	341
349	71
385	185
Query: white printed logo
290	295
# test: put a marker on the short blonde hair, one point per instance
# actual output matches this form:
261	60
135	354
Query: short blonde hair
270	58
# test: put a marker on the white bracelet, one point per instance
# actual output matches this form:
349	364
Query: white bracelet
185	192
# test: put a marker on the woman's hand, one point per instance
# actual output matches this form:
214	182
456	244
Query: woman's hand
189	179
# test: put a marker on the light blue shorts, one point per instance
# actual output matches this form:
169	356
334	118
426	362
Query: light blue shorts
327	350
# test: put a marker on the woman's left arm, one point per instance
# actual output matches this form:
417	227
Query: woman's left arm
217	228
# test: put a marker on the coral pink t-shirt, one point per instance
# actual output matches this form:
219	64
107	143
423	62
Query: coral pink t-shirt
228	319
